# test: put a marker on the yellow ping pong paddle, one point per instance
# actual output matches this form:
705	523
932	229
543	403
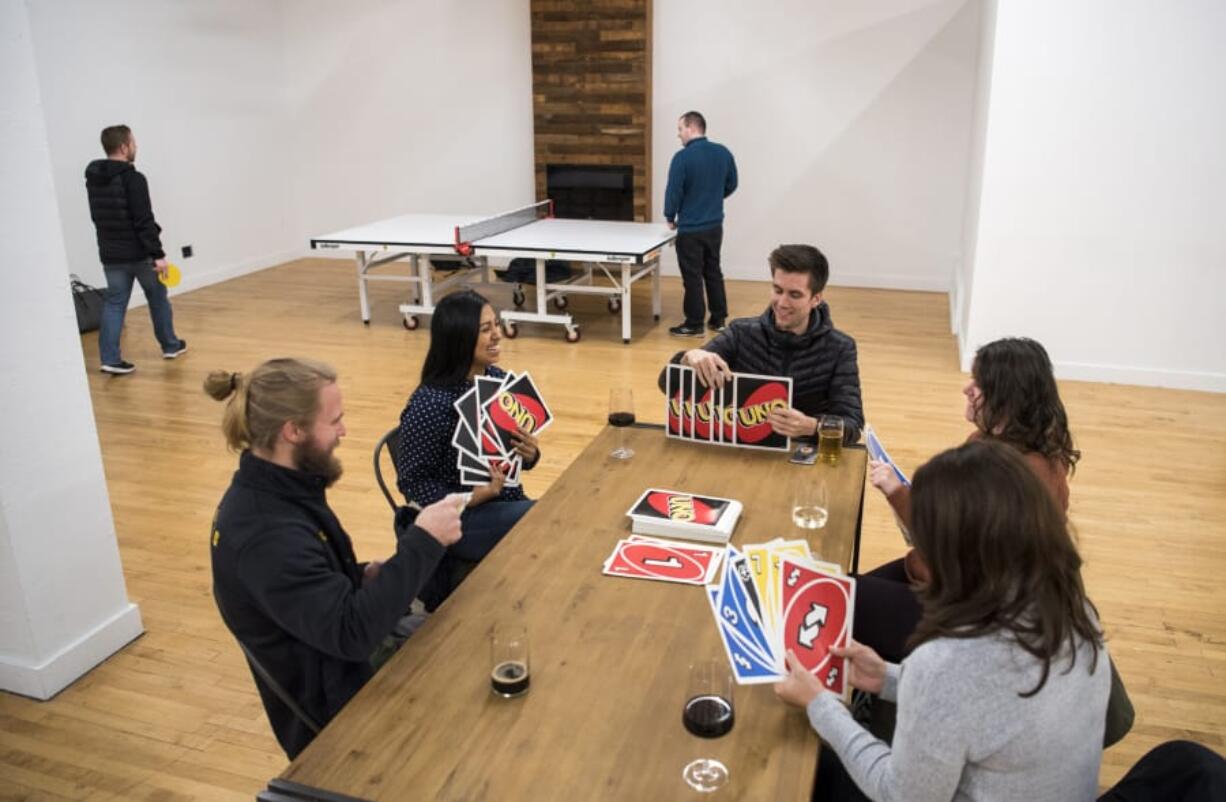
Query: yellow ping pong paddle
172	276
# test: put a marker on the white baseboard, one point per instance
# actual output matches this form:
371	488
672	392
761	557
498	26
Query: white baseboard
874	281
193	280
46	679
1145	377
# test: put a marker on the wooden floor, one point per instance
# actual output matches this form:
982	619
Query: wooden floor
174	716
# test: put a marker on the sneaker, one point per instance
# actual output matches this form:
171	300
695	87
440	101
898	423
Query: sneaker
119	367
174	354
686	330
717	325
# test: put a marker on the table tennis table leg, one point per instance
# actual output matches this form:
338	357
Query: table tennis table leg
424	286
626	285
655	290
365	303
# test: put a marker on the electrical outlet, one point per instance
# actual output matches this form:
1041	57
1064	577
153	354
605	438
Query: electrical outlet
187	251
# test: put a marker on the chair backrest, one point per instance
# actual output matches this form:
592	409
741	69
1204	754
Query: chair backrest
387	443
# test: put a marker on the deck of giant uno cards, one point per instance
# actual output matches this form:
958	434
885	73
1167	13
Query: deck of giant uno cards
773	598
734	414
489	413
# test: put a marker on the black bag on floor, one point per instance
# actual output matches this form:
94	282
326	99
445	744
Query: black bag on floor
88	301
523	271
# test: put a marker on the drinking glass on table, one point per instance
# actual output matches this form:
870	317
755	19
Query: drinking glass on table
509	672
708	713
621	415
829	438
810	502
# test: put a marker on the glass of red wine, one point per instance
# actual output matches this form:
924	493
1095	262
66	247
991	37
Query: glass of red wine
708	713
621	415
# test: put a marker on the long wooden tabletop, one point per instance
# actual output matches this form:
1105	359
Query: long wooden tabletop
609	656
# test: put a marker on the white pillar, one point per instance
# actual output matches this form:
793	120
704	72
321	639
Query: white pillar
63	604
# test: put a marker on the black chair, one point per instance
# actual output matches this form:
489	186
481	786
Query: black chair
387	443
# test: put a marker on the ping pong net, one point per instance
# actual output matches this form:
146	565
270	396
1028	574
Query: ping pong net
466	235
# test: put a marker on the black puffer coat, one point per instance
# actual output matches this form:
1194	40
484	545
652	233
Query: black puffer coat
821	363
123	216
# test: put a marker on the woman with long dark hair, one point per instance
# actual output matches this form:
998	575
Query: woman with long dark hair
1004	694
464	343
1011	398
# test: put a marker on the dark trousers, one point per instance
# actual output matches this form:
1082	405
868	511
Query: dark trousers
698	258
887	611
482	528
1176	771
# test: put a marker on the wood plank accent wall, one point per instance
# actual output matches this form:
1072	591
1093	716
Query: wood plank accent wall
591	88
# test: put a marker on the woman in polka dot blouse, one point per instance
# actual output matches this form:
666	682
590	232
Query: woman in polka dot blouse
464	343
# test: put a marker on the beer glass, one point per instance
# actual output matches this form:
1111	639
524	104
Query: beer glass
708	713
810	501
509	671
829	439
621	415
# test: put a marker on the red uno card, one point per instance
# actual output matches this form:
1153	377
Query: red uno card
662	560
518	404
753	398
816	613
669	505
675	379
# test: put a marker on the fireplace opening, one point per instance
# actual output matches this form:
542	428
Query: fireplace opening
591	192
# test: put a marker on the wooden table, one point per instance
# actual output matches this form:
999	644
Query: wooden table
610	656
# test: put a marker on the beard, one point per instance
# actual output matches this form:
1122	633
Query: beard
312	459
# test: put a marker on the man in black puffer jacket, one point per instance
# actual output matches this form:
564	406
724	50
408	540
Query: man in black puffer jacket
794	337
129	246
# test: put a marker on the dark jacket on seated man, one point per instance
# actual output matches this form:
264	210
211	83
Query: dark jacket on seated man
821	363
290	589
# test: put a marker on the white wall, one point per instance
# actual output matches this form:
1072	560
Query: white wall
63	604
203	87
1103	185
850	123
407	107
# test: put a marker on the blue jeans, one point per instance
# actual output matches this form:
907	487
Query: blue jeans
485	525
119	279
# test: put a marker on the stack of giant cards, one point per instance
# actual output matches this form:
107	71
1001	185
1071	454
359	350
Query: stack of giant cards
492	411
773	598
734	414
669	513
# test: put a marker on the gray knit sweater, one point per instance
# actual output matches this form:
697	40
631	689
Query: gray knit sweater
963	733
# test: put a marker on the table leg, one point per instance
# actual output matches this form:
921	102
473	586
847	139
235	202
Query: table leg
362	299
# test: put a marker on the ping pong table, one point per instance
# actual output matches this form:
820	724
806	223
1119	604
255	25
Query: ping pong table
622	252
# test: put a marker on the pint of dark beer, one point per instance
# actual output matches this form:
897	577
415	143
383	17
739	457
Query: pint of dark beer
509	670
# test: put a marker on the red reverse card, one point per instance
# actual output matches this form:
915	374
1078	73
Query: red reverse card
663	560
816	613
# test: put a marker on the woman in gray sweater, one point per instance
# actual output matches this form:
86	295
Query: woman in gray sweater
1005	692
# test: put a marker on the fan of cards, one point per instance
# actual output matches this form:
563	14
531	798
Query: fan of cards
490	413
773	598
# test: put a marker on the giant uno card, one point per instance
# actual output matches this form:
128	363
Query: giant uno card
518	404
753	399
816	614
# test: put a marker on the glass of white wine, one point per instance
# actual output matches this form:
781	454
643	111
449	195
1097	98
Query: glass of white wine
810	503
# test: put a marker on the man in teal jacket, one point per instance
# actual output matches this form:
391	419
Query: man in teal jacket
700	176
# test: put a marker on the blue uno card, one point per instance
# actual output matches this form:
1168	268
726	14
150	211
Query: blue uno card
877	451
749	667
735	607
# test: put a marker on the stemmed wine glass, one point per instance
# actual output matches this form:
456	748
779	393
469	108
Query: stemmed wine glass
621	415
708	713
